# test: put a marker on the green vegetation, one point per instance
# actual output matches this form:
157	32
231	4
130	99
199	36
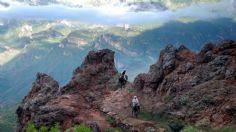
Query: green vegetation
82	128
227	129
111	120
174	125
204	127
163	120
31	127
43	129
8	118
190	129
56	128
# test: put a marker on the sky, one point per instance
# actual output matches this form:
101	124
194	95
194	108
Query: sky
110	14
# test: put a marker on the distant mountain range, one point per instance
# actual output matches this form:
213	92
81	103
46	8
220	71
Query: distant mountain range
57	47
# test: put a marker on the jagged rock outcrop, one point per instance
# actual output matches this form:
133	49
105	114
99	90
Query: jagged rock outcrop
74	103
43	90
193	87
170	59
197	88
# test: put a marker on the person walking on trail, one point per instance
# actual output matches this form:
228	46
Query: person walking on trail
123	79
135	106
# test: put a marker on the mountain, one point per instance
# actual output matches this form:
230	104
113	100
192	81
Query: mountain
96	72
56	47
186	88
193	87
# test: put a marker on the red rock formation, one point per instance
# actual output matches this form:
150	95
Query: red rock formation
193	87
76	102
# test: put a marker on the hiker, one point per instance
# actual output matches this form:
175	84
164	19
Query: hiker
135	106
123	79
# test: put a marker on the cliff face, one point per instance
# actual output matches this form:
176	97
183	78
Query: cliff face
193	87
197	88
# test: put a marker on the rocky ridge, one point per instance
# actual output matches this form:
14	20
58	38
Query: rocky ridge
193	87
74	103
196	88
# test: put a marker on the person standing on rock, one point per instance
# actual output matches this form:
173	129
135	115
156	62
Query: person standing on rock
123	79
135	106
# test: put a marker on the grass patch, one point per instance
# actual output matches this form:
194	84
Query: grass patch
190	129
82	128
56	128
31	127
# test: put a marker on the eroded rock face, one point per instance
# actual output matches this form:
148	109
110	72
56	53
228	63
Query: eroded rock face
74	103
43	90
193	86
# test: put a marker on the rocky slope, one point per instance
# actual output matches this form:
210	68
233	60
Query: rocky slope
77	101
196	88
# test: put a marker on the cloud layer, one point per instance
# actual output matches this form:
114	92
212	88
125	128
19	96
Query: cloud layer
109	14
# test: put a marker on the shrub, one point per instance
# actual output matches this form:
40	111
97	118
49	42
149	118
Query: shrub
175	125
43	129
31	127
190	129
67	130
111	120
161	116
55	128
82	128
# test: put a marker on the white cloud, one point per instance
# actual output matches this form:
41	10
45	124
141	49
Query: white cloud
115	13
67	23
25	31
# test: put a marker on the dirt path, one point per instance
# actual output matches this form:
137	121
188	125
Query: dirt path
117	105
